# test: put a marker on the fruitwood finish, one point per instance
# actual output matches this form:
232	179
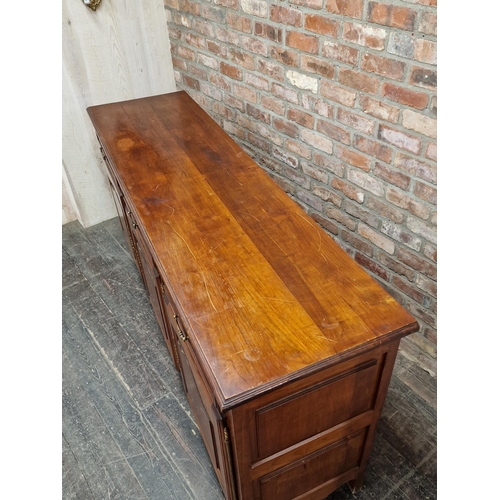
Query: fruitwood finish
284	344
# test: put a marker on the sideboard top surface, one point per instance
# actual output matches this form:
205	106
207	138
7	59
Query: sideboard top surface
265	292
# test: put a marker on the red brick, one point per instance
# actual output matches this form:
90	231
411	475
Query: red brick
317	141
348	8
425	51
337	94
314	172
222	110
199	73
392	176
232	4
399	139
306	43
395	266
254	45
226	36
391	15
330	164
174	33
297	148
233	102
423	77
270	134
205	104
327	195
312	4
353	158
376	238
356	121
179	63
239	23
379	109
325	224
385	210
372	148
431	151
389	68
339	52
203	27
422	124
333	131
259	115
321	24
217	48
191	82
366	181
374	38
340	216
411	98
408	289
181	20
425	192
297	177
173	4
242	58
356	242
190	7
246	93
233	129
430	252
214	14
268	31
285	157
231	71
286	127
402	200
350	191
255	7
416	167
287	57
271	69
316	65
256	81
428	23
285	15
220	81
259	142
358	81
318	106
273	104
285	93
304	119
246	121
208	61
418	263
371	266
196	41
187	53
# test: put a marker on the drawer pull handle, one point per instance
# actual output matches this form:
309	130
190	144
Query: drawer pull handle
181	334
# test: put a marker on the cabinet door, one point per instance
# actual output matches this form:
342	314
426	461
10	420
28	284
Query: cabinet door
207	416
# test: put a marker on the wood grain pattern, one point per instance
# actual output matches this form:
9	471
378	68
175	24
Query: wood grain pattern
265	293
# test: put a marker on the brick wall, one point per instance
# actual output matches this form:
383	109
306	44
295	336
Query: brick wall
336	100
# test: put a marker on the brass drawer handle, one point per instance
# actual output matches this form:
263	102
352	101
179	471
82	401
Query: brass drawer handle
131	220
181	334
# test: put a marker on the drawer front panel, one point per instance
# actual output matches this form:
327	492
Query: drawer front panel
315	409
313	471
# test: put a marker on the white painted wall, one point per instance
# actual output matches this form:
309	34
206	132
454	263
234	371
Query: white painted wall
120	51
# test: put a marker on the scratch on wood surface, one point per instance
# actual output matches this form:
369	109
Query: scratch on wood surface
185	243
315	227
208	293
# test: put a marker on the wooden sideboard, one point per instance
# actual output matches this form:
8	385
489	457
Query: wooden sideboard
284	344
